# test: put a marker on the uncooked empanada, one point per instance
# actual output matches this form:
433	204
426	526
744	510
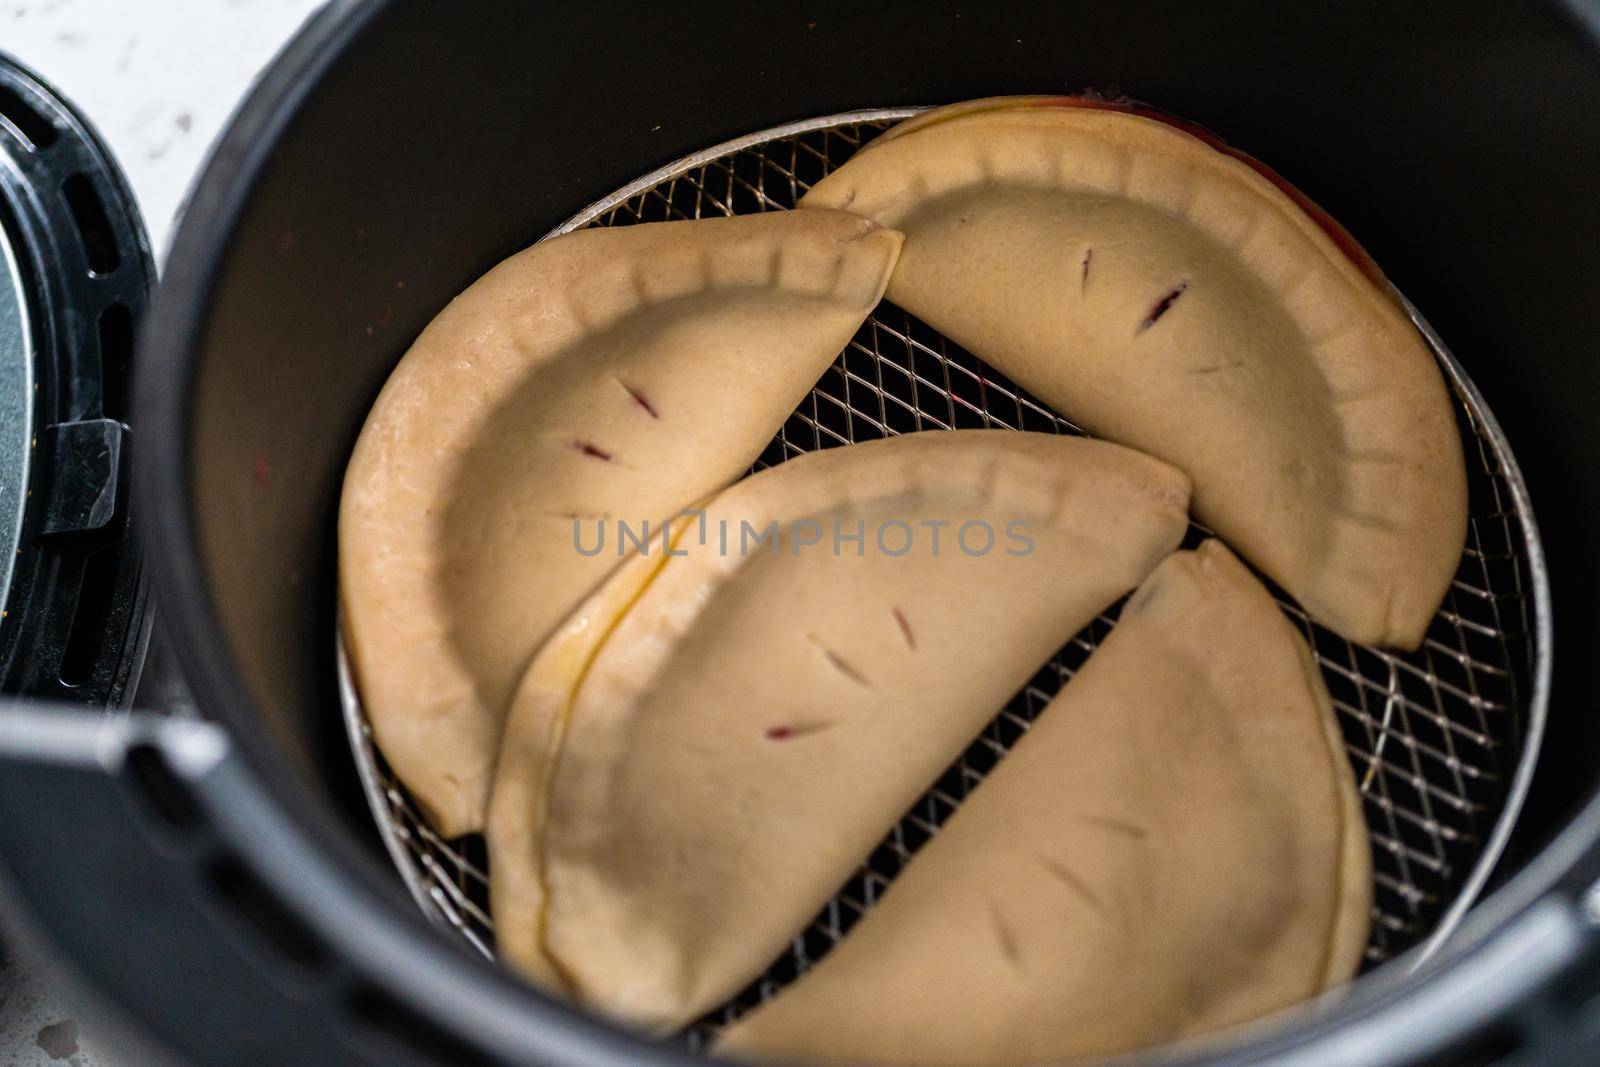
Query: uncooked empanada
1168	294
611	373
1174	847
714	741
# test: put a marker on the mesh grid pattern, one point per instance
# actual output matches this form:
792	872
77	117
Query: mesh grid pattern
1433	736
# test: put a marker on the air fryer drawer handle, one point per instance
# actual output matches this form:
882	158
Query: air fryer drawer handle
105	844
144	851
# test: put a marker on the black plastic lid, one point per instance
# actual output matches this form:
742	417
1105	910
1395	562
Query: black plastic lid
75	623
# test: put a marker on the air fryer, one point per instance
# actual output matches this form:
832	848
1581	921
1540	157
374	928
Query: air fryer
265	892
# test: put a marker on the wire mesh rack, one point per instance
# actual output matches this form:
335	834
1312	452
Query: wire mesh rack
1440	741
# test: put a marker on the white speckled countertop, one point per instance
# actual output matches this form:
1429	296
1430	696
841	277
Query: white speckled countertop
159	78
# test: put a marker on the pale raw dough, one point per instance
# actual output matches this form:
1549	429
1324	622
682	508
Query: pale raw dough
703	753
620	373
1166	294
1174	847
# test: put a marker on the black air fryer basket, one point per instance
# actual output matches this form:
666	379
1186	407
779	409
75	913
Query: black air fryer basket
75	277
247	906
